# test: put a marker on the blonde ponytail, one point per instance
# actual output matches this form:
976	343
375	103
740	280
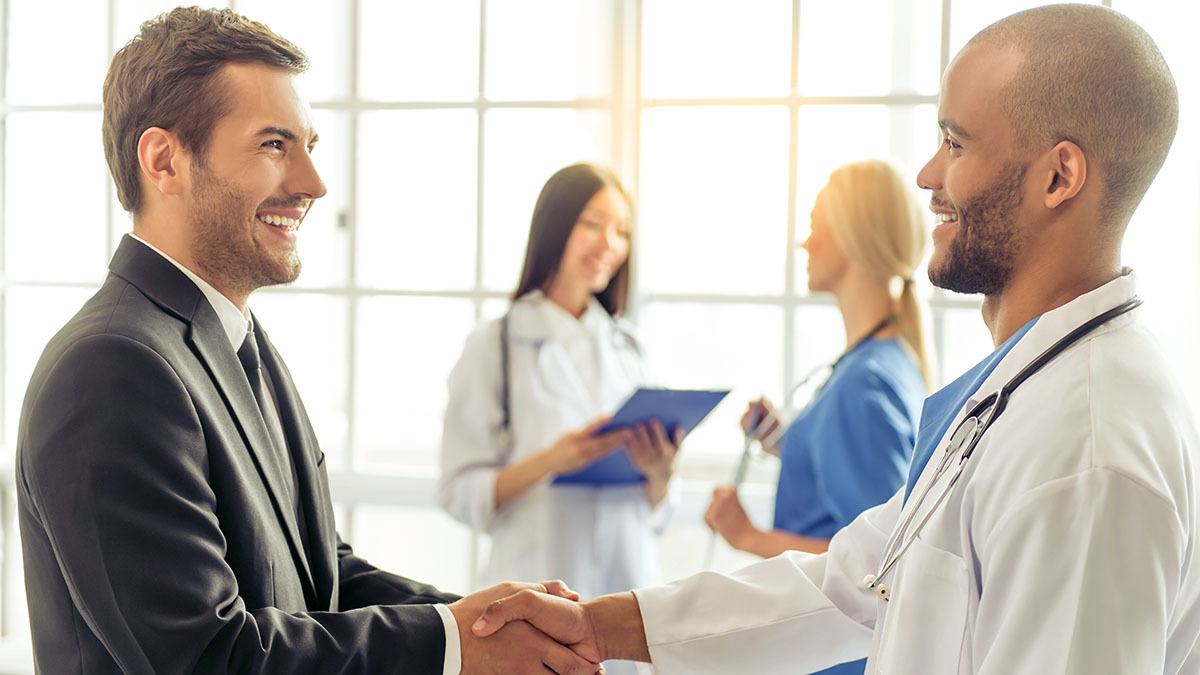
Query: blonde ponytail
878	224
910	324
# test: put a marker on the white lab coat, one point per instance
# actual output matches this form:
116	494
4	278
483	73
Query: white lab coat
564	373
1068	545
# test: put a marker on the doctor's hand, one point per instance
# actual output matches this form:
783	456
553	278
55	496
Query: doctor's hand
520	647
608	627
768	433
727	518
653	453
577	449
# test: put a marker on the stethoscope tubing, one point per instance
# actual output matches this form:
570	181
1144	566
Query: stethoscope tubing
993	405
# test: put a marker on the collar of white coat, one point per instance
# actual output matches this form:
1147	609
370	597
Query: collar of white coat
534	317
1055	324
1049	329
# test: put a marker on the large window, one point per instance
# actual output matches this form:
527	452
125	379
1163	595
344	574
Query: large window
440	121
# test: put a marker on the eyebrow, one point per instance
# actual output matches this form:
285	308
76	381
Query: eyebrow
286	133
952	127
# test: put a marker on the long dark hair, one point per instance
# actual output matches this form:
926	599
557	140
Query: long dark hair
557	210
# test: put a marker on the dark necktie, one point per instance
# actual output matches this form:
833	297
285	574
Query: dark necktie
248	355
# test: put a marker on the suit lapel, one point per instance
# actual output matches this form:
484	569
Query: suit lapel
160	281
211	344
311	490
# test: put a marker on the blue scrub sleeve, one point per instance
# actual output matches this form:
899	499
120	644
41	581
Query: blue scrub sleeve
866	444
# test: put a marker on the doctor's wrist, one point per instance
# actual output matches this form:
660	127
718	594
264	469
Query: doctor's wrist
550	462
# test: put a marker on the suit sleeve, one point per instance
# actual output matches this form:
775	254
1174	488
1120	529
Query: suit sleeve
114	478
361	584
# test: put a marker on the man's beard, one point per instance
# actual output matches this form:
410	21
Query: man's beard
983	251
224	243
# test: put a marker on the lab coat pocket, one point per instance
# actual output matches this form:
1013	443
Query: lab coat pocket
926	623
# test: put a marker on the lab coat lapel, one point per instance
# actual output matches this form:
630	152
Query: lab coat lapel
618	363
1050	327
555	371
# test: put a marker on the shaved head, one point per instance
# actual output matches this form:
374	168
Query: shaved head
1091	76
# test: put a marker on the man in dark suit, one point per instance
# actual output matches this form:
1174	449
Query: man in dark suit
174	507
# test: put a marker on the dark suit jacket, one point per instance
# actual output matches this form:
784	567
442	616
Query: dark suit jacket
156	535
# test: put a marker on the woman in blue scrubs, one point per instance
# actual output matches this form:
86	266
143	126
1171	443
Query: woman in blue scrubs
849	449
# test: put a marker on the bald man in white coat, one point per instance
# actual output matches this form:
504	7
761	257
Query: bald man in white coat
1066	542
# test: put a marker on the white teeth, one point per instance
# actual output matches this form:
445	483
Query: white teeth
946	217
280	221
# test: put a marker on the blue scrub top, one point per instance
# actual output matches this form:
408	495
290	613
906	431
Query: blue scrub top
850	449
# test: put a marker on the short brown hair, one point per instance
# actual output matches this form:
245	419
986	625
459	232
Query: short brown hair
1092	76
167	76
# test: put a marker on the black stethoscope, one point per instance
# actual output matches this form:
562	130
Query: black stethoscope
966	436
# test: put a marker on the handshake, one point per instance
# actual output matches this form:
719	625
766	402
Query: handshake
517	628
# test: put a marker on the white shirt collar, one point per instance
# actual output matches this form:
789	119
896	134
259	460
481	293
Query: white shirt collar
235	323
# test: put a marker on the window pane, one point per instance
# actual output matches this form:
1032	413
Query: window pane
316	27
309	330
693	49
549	49
965	342
323	241
55	58
896	47
697	346
31	317
830	136
713	216
422	544
416	199
51	157
522	148
406	348
969	17
418	50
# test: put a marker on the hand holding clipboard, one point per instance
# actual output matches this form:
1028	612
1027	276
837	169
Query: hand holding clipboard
678	410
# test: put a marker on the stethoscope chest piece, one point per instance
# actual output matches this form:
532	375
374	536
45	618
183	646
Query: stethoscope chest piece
880	590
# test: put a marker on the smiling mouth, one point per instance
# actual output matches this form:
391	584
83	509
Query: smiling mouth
280	222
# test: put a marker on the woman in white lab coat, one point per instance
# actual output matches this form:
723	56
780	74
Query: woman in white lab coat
531	388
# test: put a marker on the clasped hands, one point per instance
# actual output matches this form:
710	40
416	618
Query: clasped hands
517	628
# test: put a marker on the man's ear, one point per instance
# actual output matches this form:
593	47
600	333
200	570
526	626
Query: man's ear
163	161
1066	173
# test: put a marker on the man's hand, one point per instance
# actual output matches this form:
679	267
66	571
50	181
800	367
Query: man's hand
519	648
608	627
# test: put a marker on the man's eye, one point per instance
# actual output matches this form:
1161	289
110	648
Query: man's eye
274	144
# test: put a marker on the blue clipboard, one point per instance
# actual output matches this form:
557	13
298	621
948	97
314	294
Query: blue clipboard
675	408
